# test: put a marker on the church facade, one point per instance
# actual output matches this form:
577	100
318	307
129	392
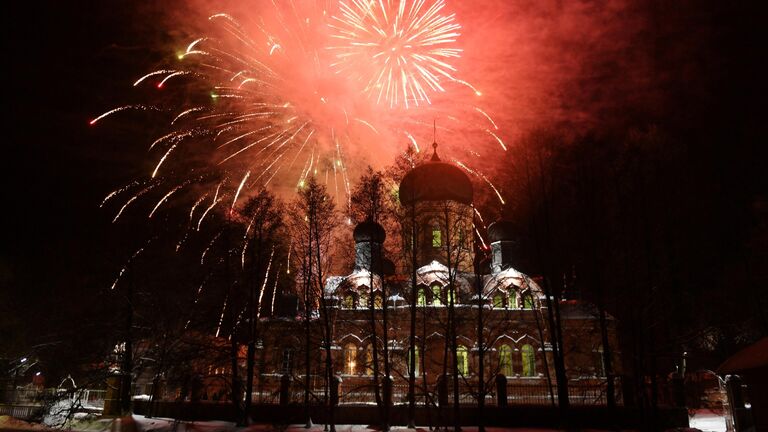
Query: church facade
371	314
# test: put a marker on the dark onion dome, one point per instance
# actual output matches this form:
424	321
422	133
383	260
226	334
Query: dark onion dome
502	230
387	267
369	230
435	181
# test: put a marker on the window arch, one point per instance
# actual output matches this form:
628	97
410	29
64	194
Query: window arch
436	295
462	360
421	297
528	357
348	302
505	360
498	301
350	358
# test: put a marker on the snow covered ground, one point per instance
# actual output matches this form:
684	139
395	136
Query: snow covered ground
707	421
703	420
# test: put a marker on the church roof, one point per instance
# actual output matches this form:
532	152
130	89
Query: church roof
436	181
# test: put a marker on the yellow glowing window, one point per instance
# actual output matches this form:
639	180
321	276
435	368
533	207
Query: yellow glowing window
529	361
437	237
421	298
527	301
436	300
498	301
377	302
349	302
505	360
369	359
462	360
350	359
416	358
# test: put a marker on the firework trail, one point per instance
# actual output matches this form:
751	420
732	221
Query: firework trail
337	84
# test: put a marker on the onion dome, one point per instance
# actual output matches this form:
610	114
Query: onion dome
435	181
502	230
368	231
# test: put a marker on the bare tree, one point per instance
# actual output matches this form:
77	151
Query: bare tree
314	224
262	216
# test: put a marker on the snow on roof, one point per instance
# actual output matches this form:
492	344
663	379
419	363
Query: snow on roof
332	283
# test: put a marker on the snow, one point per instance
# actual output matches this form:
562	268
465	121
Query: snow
707	421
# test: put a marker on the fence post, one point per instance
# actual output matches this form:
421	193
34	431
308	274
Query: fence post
335	383
677	390
285	385
442	391
387	384
501	390
742	416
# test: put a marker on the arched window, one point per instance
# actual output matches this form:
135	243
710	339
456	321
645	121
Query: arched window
421	297
408	360
349	302
436	295
528	361
350	359
512	299
462	360
287	361
527	301
362	300
437	236
505	360
369	359
451	299
378	302
498	301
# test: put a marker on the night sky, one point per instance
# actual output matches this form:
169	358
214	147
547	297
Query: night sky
69	61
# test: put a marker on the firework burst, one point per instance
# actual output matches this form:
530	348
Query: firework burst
400	50
277	98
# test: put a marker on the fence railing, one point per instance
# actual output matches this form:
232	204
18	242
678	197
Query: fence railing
360	391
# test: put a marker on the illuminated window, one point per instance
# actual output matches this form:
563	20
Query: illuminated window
349	302
451	300
436	294
369	359
421	297
498	301
437	237
462	360
512	299
528	301
377	301
528	361
350	359
505	360
363	302
416	358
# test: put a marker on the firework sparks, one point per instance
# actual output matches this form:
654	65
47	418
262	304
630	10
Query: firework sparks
295	82
399	49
